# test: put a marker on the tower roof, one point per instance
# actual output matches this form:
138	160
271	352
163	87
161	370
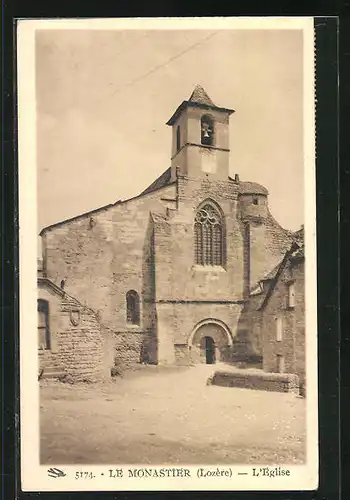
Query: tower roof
200	96
200	99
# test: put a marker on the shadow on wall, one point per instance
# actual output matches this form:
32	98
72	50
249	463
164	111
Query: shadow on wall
108	350
246	345
149	349
149	346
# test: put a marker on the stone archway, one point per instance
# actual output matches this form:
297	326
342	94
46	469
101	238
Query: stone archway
210	342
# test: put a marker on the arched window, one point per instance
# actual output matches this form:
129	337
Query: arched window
207	130
132	308
44	338
208	236
178	138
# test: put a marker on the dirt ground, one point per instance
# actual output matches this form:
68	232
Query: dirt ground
169	415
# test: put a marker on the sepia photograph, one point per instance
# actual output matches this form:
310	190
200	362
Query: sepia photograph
172	233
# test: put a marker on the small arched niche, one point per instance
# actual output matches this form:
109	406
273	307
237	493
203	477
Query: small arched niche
132	308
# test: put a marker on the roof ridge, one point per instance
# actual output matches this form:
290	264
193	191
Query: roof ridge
288	255
200	96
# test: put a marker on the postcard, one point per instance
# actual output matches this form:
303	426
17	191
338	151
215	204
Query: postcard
168	319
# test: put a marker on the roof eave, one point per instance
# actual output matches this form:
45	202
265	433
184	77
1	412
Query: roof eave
200	105
51	284
254	193
106	207
77	217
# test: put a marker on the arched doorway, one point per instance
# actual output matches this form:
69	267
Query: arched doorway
210	342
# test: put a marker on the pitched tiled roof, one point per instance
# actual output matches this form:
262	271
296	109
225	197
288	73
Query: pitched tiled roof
299	252
252	188
295	251
200	96
263	289
268	277
161	181
272	274
300	233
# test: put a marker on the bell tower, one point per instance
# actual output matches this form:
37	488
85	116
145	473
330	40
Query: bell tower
200	139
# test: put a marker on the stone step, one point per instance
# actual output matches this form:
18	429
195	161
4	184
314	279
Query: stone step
48	363
51	368
51	371
52	374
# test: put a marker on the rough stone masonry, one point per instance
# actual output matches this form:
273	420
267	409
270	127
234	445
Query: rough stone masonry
170	271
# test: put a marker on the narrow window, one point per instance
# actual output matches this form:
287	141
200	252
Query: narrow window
208	237
255	201
62	284
291	295
132	308
178	138
207	130
279	329
44	339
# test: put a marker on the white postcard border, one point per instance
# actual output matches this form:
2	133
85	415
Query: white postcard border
33	475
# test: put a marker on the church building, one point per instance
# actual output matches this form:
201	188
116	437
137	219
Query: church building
171	271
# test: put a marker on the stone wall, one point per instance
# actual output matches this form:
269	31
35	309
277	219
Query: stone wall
249	332
81	352
193	282
133	347
299	320
101	256
146	244
292	345
78	350
268	242
178	320
275	382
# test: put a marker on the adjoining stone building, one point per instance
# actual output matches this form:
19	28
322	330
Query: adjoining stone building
170	271
282	312
70	343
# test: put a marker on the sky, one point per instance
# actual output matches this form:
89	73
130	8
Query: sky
103	98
